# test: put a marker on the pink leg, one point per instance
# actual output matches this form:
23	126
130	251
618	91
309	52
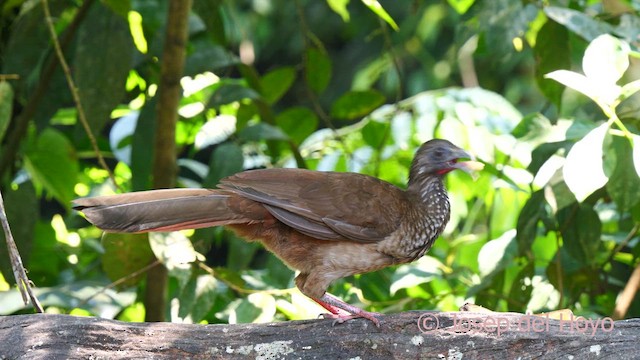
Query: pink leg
341	311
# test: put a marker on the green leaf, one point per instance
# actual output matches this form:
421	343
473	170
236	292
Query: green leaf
102	61
256	308
624	182
51	162
606	59
597	92
208	58
125	254
375	6
297	122
461	6
527	225
197	297
142	151
230	92
226	160
276	83
262	131
375	133
497	254
356	104
543	152
340	8
629	89
532	126
419	272
583	170
317	70
521	286
581	229
6	106
578	22
176	252
636	152
552	52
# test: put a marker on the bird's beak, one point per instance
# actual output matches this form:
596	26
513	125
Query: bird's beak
470	166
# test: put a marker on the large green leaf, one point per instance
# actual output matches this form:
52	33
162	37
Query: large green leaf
530	215
197	297
581	229
142	147
578	22
124	254
356	104
275	83
102	62
226	160
297	122
583	170
552	52
624	182
51	162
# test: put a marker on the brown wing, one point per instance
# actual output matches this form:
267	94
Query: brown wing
324	205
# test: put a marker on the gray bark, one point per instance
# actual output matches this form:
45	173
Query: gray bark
401	336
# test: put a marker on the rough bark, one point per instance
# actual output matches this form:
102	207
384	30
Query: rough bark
401	336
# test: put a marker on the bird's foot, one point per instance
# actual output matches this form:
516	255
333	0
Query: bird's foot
341	311
341	318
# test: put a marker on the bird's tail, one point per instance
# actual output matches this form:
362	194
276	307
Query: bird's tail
159	210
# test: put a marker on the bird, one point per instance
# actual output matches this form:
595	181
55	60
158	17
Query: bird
326	225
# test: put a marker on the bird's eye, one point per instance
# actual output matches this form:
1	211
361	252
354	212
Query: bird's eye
438	153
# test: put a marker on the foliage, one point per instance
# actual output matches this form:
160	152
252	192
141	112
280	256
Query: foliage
552	222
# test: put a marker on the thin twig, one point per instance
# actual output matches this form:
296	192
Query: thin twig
74	91
19	273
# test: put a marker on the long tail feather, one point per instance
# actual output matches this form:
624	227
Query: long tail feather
159	210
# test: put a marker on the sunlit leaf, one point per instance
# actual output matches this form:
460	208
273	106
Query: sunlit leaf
605	60
215	131
583	171
340	8
197	297
419	272
176	253
496	254
355	104
636	152
257	308
629	89
375	6
592	89
461	6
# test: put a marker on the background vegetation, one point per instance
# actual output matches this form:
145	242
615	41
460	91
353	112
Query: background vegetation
541	91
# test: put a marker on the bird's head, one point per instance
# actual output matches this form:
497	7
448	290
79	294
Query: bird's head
438	157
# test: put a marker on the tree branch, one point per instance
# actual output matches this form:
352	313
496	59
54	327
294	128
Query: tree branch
401	336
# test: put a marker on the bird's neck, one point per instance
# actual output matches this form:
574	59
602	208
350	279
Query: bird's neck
429	190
